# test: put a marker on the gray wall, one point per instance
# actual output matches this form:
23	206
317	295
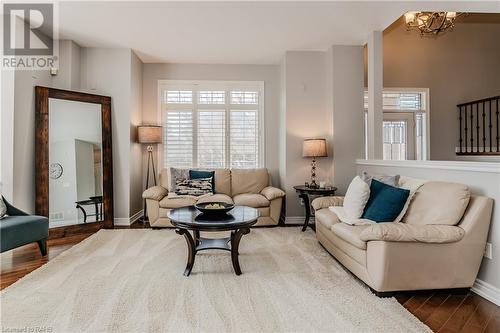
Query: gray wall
460	66
112	72
270	74
306	115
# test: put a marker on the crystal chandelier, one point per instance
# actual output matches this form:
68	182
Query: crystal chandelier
431	23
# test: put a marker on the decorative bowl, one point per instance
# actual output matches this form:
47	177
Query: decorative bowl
214	208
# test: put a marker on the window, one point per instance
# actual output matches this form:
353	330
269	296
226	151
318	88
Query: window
404	125
210	125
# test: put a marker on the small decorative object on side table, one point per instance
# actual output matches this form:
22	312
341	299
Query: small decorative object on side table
304	193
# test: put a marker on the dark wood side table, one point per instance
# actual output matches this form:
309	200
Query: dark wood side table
304	193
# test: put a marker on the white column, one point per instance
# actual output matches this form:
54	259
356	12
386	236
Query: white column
375	86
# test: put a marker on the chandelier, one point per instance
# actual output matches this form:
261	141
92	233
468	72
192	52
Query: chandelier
431	23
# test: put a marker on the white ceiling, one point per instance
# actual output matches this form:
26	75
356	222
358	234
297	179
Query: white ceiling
235	32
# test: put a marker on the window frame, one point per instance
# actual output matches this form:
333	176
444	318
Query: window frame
200	85
425	109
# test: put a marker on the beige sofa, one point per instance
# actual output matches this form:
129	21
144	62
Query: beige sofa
246	187
438	245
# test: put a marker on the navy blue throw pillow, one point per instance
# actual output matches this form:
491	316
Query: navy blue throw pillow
385	202
197	174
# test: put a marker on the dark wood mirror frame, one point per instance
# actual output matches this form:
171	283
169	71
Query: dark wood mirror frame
42	95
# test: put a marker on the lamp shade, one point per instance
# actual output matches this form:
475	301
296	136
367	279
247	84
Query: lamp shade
314	148
149	134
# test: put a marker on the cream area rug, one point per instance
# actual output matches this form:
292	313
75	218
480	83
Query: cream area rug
132	281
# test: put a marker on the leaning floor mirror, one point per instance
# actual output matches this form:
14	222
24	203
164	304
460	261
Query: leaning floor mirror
74	182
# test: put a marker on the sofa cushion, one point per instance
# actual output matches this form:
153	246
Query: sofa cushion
223	181
385	203
438	203
216	198
325	202
248	180
272	193
251	200
177	202
326	217
350	234
155	193
403	232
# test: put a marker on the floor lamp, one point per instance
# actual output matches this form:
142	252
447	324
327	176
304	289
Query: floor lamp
149	135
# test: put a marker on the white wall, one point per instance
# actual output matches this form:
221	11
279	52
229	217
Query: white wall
482	178
135	161
109	72
345	63
306	114
270	74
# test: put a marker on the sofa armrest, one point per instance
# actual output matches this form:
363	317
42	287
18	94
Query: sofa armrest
402	232
325	202
155	193
272	193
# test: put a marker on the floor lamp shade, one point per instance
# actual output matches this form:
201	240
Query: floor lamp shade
149	134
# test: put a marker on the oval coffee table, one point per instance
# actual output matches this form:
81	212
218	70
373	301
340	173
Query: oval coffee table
238	221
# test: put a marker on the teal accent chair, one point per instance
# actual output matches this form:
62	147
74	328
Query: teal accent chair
18	228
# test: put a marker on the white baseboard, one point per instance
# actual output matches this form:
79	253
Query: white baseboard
486	290
123	221
298	219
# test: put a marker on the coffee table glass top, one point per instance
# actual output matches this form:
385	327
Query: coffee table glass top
191	218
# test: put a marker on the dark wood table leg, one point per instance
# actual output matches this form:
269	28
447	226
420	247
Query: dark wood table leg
191	249
196	237
307	205
235	243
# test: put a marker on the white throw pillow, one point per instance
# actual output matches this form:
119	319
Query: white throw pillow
356	198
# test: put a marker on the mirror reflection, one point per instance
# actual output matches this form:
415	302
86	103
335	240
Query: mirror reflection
75	168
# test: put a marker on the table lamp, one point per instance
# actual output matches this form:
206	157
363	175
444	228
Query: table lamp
150	135
314	148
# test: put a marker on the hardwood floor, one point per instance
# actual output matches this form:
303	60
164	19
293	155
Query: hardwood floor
442	312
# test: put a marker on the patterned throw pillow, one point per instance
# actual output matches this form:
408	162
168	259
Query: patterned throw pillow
175	175
193	187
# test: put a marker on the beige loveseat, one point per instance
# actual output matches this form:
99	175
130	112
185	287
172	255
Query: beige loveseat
245	187
438	245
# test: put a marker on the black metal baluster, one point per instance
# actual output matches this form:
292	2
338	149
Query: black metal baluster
460	127
484	128
472	128
477	128
498	137
491	144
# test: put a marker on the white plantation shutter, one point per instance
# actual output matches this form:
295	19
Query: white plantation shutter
212	124
244	139
211	138
178	138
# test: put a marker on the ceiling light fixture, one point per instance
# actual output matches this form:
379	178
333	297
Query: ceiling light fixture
431	23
